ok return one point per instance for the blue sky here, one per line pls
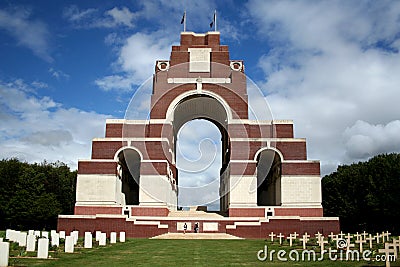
(331, 66)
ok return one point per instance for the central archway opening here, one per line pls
(201, 149)
(199, 162)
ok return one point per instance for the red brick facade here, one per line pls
(154, 140)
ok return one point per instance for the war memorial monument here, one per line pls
(266, 182)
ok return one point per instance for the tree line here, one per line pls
(33, 195)
(365, 195)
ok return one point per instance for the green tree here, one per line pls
(32, 195)
(365, 195)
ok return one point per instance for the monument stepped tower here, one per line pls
(131, 182)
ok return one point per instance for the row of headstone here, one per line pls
(101, 238)
(29, 239)
(359, 239)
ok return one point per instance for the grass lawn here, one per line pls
(157, 252)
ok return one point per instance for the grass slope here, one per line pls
(151, 252)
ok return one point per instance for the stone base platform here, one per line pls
(209, 223)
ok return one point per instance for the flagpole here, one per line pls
(184, 22)
(215, 20)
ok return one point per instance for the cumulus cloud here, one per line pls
(364, 140)
(328, 66)
(36, 128)
(30, 33)
(91, 17)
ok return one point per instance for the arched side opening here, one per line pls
(268, 178)
(129, 173)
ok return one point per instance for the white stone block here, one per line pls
(37, 233)
(98, 233)
(210, 226)
(62, 234)
(122, 237)
(55, 239)
(75, 235)
(113, 237)
(43, 248)
(45, 234)
(69, 244)
(8, 231)
(88, 240)
(31, 243)
(103, 239)
(4, 253)
(22, 239)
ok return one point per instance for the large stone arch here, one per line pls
(207, 106)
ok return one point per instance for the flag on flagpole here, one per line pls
(183, 21)
(214, 21)
(183, 18)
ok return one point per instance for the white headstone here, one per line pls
(43, 248)
(88, 240)
(69, 244)
(31, 243)
(8, 231)
(122, 237)
(37, 233)
(62, 234)
(4, 253)
(52, 232)
(22, 239)
(55, 239)
(75, 235)
(98, 233)
(31, 232)
(45, 234)
(1, 239)
(103, 239)
(113, 237)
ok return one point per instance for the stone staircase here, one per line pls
(196, 236)
(194, 213)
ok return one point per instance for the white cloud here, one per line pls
(58, 74)
(198, 153)
(121, 16)
(30, 33)
(36, 128)
(140, 52)
(90, 18)
(363, 140)
(115, 82)
(331, 64)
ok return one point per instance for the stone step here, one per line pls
(191, 214)
(196, 236)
